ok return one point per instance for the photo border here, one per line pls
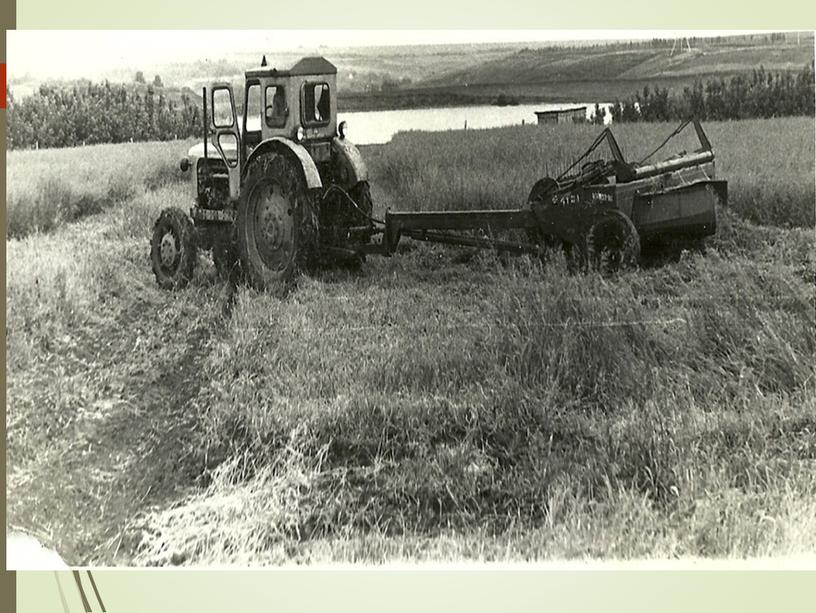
(403, 589)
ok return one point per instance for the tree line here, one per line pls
(88, 113)
(760, 94)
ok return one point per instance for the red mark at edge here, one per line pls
(3, 85)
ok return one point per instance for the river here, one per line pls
(371, 127)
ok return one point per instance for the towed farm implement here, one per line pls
(286, 190)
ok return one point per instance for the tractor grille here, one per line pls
(320, 151)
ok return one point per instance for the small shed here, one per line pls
(576, 114)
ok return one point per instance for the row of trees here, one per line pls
(90, 113)
(761, 94)
(108, 113)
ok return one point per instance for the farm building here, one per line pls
(575, 114)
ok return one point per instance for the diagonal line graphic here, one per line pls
(85, 604)
(96, 591)
(61, 593)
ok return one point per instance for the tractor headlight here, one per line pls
(300, 134)
(342, 129)
(184, 164)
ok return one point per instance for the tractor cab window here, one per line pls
(252, 112)
(222, 108)
(316, 103)
(276, 110)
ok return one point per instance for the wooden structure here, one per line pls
(575, 114)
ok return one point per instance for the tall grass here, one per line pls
(51, 187)
(501, 400)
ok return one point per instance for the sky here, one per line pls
(68, 54)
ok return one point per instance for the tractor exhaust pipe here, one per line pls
(204, 117)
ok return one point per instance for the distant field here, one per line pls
(599, 73)
(637, 63)
(442, 404)
(51, 187)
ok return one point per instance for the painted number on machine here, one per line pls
(570, 199)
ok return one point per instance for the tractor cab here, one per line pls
(296, 106)
(298, 103)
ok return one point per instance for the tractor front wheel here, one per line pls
(273, 220)
(173, 249)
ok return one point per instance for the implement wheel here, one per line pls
(612, 243)
(274, 222)
(173, 249)
(540, 196)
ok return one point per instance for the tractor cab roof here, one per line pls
(305, 66)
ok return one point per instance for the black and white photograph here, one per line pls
(411, 298)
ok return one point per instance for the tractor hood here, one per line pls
(197, 151)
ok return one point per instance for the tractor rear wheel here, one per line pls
(612, 243)
(173, 249)
(359, 215)
(361, 194)
(274, 222)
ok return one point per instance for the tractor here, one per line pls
(282, 191)
(285, 191)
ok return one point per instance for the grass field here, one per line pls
(633, 64)
(441, 404)
(51, 187)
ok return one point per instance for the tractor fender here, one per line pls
(349, 163)
(289, 147)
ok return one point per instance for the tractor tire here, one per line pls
(361, 194)
(612, 243)
(173, 249)
(275, 227)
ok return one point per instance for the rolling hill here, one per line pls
(634, 62)
(590, 72)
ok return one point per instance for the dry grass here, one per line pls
(626, 419)
(440, 404)
(51, 187)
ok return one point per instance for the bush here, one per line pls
(782, 94)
